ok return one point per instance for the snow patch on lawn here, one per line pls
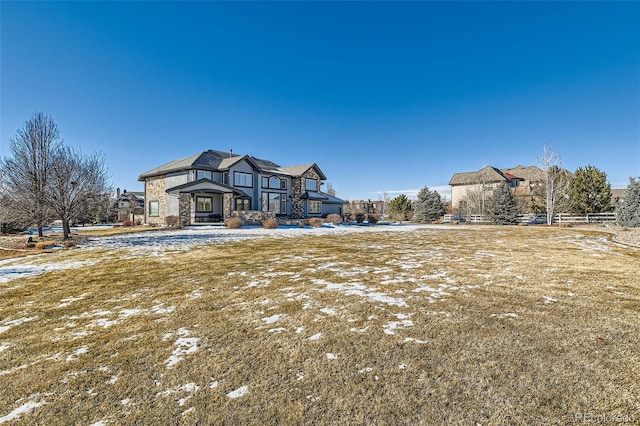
(21, 270)
(273, 318)
(357, 289)
(23, 409)
(12, 323)
(240, 392)
(68, 301)
(184, 346)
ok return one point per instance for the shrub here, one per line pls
(316, 222)
(127, 223)
(336, 219)
(270, 223)
(373, 218)
(172, 221)
(397, 217)
(233, 223)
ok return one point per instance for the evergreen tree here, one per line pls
(502, 206)
(428, 207)
(590, 192)
(400, 207)
(628, 210)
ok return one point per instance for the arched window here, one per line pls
(274, 182)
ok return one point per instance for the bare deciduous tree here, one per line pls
(556, 189)
(77, 182)
(384, 204)
(26, 173)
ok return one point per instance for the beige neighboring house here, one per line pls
(471, 190)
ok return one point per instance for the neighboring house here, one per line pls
(129, 205)
(470, 191)
(364, 206)
(213, 185)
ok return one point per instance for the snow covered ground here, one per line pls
(163, 242)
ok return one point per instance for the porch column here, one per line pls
(227, 205)
(185, 209)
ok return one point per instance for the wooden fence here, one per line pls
(539, 218)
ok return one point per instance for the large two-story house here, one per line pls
(214, 185)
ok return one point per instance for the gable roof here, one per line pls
(302, 169)
(221, 161)
(487, 174)
(490, 174)
(528, 173)
(206, 185)
(206, 160)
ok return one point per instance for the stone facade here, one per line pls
(227, 205)
(298, 188)
(252, 217)
(185, 210)
(155, 188)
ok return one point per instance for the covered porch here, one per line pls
(205, 201)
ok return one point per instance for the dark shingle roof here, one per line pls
(220, 160)
(491, 174)
(206, 160)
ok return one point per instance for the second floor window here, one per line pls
(274, 182)
(311, 185)
(204, 174)
(242, 179)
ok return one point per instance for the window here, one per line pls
(204, 174)
(314, 206)
(274, 182)
(204, 204)
(243, 203)
(311, 184)
(274, 202)
(242, 179)
(154, 208)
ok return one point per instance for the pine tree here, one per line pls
(400, 207)
(590, 192)
(628, 210)
(502, 206)
(428, 207)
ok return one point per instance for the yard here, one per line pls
(350, 325)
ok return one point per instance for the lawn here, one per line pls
(382, 325)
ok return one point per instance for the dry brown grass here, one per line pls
(488, 325)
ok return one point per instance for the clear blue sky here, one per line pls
(382, 95)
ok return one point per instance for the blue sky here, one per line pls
(382, 95)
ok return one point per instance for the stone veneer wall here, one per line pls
(227, 205)
(252, 217)
(155, 190)
(298, 187)
(185, 209)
